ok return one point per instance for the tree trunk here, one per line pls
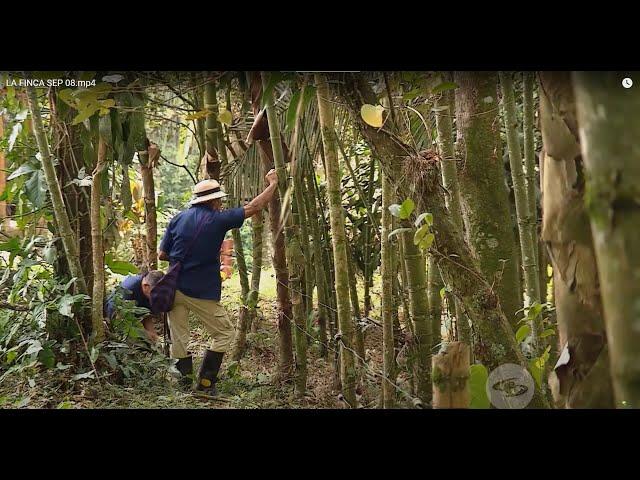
(96, 242)
(339, 242)
(495, 343)
(484, 196)
(292, 246)
(59, 210)
(69, 151)
(609, 132)
(451, 377)
(388, 302)
(581, 378)
(526, 224)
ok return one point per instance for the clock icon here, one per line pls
(627, 82)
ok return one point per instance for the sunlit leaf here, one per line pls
(372, 114)
(427, 217)
(225, 117)
(522, 333)
(406, 209)
(478, 377)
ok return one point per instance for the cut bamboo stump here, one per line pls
(451, 377)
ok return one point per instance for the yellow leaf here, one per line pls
(197, 115)
(372, 114)
(225, 117)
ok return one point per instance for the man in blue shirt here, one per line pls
(138, 288)
(203, 227)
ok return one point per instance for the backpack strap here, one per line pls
(204, 219)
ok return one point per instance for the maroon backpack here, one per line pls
(164, 293)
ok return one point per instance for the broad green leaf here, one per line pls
(427, 217)
(406, 209)
(427, 241)
(478, 377)
(118, 266)
(47, 357)
(420, 234)
(84, 114)
(65, 306)
(12, 245)
(443, 291)
(536, 371)
(522, 333)
(36, 189)
(398, 231)
(547, 333)
(372, 115)
(534, 311)
(225, 117)
(24, 169)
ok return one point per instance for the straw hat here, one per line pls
(205, 191)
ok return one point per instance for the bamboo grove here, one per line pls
(428, 227)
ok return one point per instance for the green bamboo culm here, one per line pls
(526, 226)
(445, 108)
(339, 242)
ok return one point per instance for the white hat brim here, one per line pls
(207, 198)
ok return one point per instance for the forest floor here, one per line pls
(247, 384)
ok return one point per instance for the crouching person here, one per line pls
(193, 238)
(138, 288)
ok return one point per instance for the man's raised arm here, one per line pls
(261, 201)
